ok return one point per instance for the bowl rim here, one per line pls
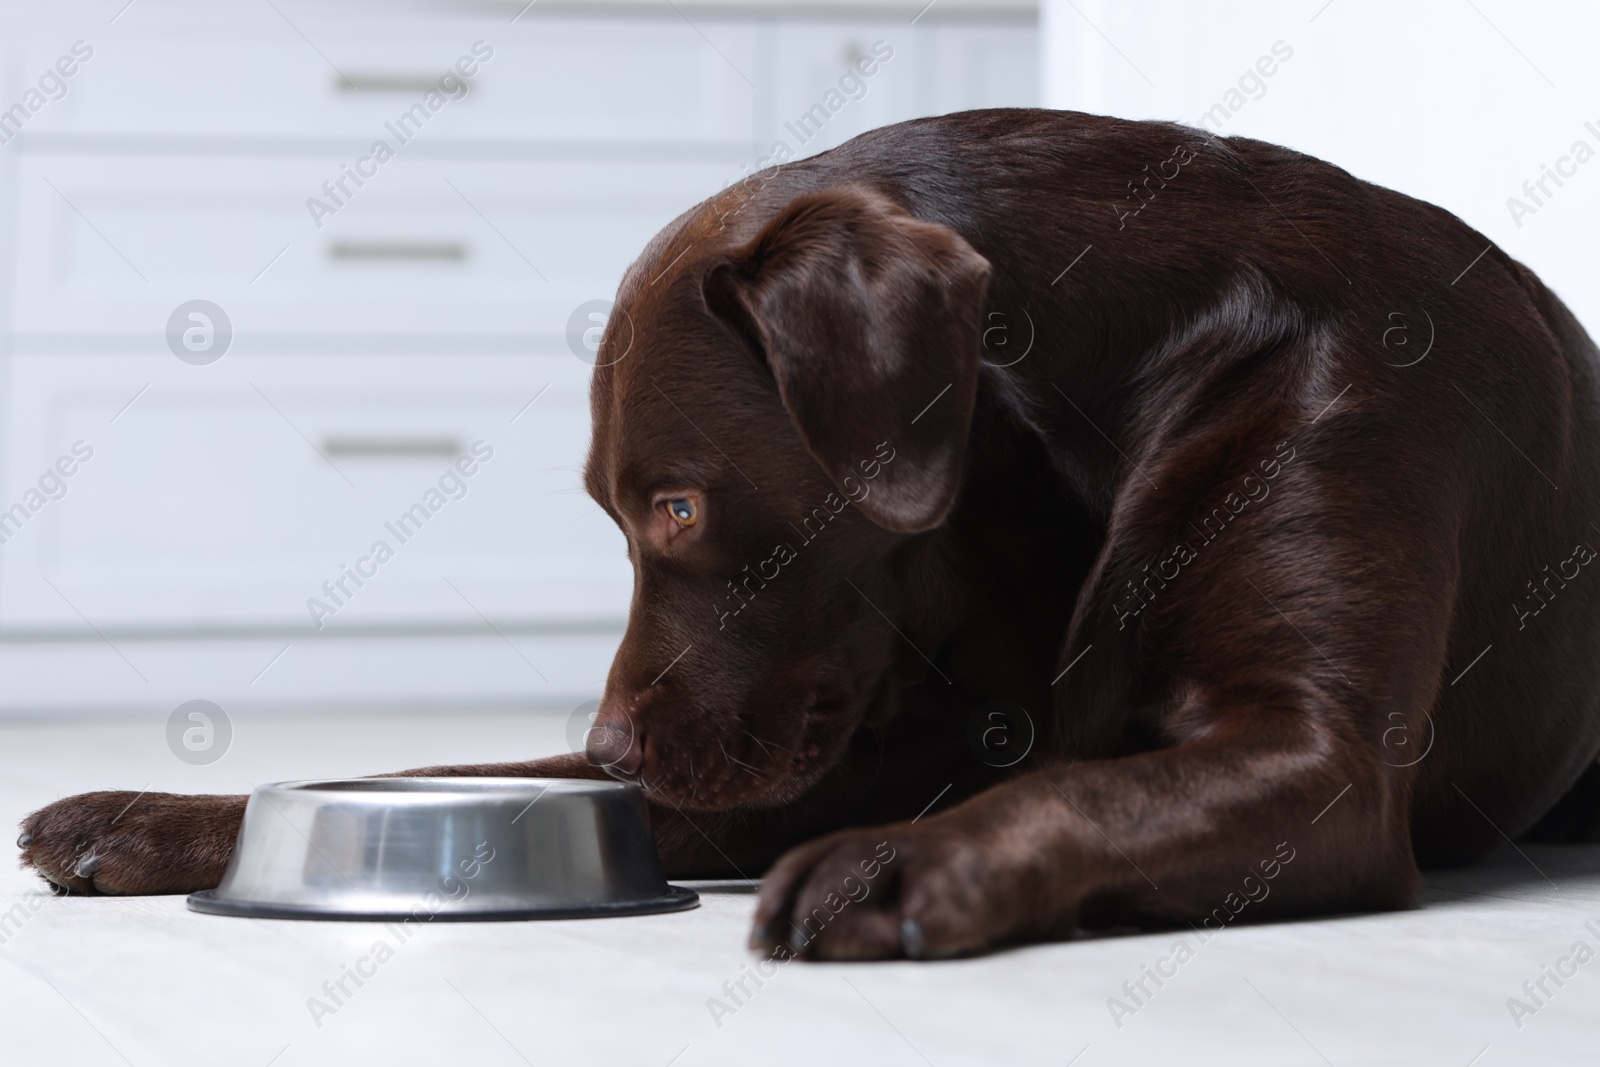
(399, 789)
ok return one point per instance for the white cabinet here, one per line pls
(382, 323)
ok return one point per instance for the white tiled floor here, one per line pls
(145, 982)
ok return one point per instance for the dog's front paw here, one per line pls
(912, 891)
(132, 843)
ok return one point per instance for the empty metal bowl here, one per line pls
(444, 849)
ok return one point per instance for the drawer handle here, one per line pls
(387, 83)
(392, 447)
(452, 251)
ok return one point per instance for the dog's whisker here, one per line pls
(738, 762)
(765, 747)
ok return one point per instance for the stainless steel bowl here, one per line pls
(434, 849)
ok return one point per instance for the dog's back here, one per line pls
(1206, 297)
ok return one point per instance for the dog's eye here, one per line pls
(683, 511)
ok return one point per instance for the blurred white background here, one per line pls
(1457, 102)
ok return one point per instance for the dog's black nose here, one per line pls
(614, 744)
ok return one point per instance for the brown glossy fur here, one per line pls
(1219, 371)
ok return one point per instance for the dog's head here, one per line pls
(783, 395)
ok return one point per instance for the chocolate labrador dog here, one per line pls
(1042, 522)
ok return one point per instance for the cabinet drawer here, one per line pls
(227, 495)
(426, 246)
(176, 71)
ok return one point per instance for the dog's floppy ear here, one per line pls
(869, 320)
